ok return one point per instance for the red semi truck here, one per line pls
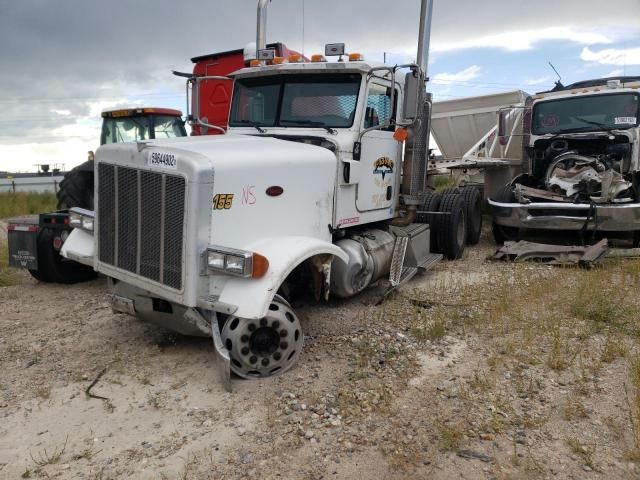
(209, 94)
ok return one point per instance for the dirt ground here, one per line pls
(397, 390)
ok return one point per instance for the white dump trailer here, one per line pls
(466, 133)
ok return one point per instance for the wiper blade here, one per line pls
(251, 124)
(604, 126)
(310, 123)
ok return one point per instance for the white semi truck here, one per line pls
(319, 186)
(581, 162)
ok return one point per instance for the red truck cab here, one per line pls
(211, 98)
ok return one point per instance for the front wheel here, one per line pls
(265, 347)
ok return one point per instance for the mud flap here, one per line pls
(223, 360)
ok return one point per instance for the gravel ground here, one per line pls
(368, 398)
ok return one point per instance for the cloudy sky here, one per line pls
(63, 61)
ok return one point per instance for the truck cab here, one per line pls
(338, 106)
(318, 186)
(582, 156)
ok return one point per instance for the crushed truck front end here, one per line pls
(582, 148)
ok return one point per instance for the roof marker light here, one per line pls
(266, 54)
(334, 49)
(318, 58)
(296, 58)
(254, 63)
(356, 57)
(279, 60)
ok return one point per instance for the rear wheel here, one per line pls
(501, 233)
(52, 267)
(451, 226)
(431, 204)
(264, 347)
(473, 213)
(449, 190)
(76, 189)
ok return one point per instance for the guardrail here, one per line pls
(31, 184)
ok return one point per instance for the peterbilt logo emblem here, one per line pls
(382, 166)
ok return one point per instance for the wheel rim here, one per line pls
(264, 347)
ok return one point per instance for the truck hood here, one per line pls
(241, 189)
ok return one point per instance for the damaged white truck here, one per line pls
(581, 153)
(318, 186)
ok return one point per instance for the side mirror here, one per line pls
(503, 135)
(412, 85)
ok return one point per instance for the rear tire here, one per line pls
(449, 190)
(501, 233)
(53, 268)
(473, 214)
(76, 189)
(451, 229)
(431, 204)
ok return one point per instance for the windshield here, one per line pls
(295, 100)
(133, 129)
(586, 113)
(168, 126)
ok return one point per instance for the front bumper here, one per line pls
(567, 216)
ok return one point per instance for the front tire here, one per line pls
(265, 347)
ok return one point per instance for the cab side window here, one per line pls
(379, 110)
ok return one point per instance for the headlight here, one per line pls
(81, 218)
(236, 262)
(215, 260)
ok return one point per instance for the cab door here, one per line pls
(380, 154)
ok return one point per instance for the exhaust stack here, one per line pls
(414, 183)
(424, 35)
(261, 30)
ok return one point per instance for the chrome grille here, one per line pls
(141, 222)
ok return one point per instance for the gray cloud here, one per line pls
(65, 54)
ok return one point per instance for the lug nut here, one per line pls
(276, 324)
(265, 362)
(277, 356)
(251, 327)
(244, 338)
(253, 359)
(283, 333)
(284, 345)
(263, 322)
(245, 350)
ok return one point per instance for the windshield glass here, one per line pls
(586, 113)
(133, 129)
(125, 129)
(168, 126)
(295, 100)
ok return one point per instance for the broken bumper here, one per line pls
(563, 216)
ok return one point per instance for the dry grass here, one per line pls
(8, 276)
(633, 403)
(26, 203)
(45, 457)
(451, 436)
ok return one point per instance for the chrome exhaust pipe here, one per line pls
(424, 35)
(261, 30)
